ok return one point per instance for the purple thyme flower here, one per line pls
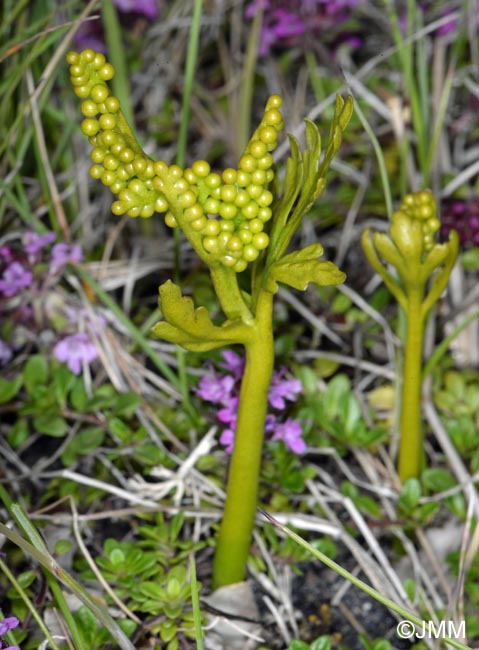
(270, 423)
(462, 216)
(15, 277)
(227, 439)
(287, 24)
(5, 353)
(284, 21)
(233, 363)
(223, 390)
(90, 33)
(227, 415)
(63, 254)
(9, 623)
(74, 350)
(147, 8)
(216, 389)
(33, 242)
(282, 389)
(6, 254)
(290, 433)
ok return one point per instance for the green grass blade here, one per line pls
(49, 563)
(119, 83)
(31, 608)
(387, 602)
(196, 605)
(380, 158)
(191, 58)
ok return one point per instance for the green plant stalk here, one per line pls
(225, 282)
(242, 491)
(185, 196)
(410, 448)
(420, 262)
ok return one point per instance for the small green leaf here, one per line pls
(349, 490)
(117, 557)
(50, 425)
(298, 645)
(381, 644)
(346, 113)
(173, 589)
(149, 454)
(341, 304)
(410, 587)
(368, 505)
(126, 404)
(300, 268)
(326, 546)
(428, 510)
(192, 328)
(152, 590)
(79, 396)
(18, 434)
(168, 630)
(437, 479)
(83, 443)
(63, 381)
(103, 398)
(352, 416)
(63, 546)
(87, 623)
(410, 495)
(457, 505)
(321, 643)
(120, 429)
(8, 389)
(35, 372)
(455, 384)
(470, 259)
(26, 578)
(472, 398)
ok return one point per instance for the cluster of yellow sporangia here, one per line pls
(228, 210)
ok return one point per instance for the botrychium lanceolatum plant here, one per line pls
(232, 220)
(423, 267)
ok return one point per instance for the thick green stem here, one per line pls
(410, 449)
(242, 492)
(225, 282)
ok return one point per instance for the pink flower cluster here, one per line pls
(6, 625)
(223, 391)
(27, 272)
(285, 21)
(91, 34)
(463, 216)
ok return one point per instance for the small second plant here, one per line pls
(423, 267)
(238, 227)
